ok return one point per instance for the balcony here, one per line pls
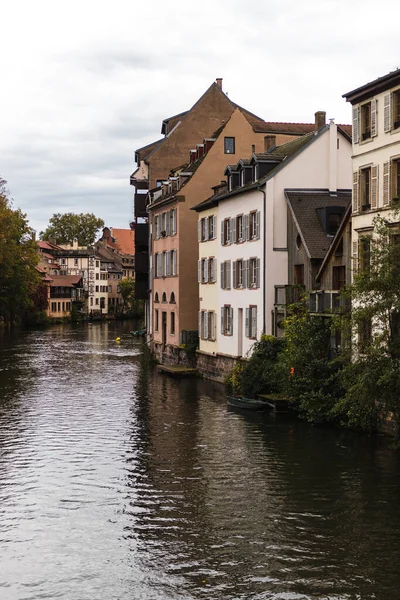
(140, 205)
(328, 302)
(141, 237)
(288, 294)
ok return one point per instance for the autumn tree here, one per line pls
(18, 258)
(64, 228)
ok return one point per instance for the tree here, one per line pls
(372, 377)
(18, 258)
(64, 228)
(127, 291)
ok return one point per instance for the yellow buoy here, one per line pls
(117, 339)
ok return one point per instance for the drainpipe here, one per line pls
(264, 252)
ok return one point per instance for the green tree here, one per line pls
(64, 228)
(18, 258)
(127, 291)
(372, 377)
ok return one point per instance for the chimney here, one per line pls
(320, 119)
(269, 142)
(219, 82)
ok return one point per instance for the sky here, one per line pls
(85, 83)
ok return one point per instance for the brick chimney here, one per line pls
(269, 142)
(219, 82)
(320, 119)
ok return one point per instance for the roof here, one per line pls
(66, 280)
(303, 205)
(373, 87)
(143, 152)
(45, 245)
(169, 123)
(288, 128)
(125, 239)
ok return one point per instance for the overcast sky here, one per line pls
(84, 83)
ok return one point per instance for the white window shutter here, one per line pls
(246, 321)
(205, 274)
(374, 186)
(200, 320)
(222, 233)
(258, 225)
(173, 232)
(199, 231)
(233, 230)
(212, 326)
(234, 274)
(386, 182)
(356, 128)
(206, 229)
(222, 321)
(246, 227)
(374, 123)
(205, 325)
(257, 277)
(228, 275)
(214, 220)
(356, 200)
(168, 223)
(228, 232)
(174, 262)
(245, 273)
(199, 271)
(168, 260)
(222, 275)
(254, 322)
(387, 112)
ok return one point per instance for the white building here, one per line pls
(250, 244)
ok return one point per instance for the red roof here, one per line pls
(66, 280)
(125, 239)
(47, 245)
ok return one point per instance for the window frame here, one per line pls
(229, 140)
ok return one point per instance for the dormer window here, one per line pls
(229, 145)
(333, 224)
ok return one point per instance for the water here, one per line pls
(119, 483)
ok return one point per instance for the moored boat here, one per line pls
(247, 403)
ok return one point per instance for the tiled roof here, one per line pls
(125, 239)
(66, 280)
(44, 245)
(288, 128)
(303, 205)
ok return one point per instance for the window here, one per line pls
(251, 322)
(203, 270)
(172, 298)
(395, 183)
(207, 325)
(238, 274)
(254, 273)
(75, 261)
(338, 277)
(156, 320)
(172, 328)
(212, 227)
(54, 307)
(226, 232)
(365, 122)
(97, 288)
(159, 265)
(254, 225)
(167, 264)
(339, 248)
(212, 270)
(227, 320)
(97, 264)
(396, 109)
(229, 145)
(156, 298)
(226, 275)
(365, 189)
(298, 275)
(97, 301)
(334, 220)
(239, 228)
(164, 298)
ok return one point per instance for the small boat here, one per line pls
(138, 333)
(247, 403)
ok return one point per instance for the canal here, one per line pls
(119, 483)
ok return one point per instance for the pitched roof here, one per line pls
(376, 86)
(288, 128)
(45, 245)
(125, 239)
(66, 280)
(303, 205)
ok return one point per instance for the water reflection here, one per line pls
(117, 482)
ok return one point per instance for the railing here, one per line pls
(288, 294)
(328, 302)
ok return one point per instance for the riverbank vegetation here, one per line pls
(21, 292)
(342, 369)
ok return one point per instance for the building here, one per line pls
(65, 290)
(254, 235)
